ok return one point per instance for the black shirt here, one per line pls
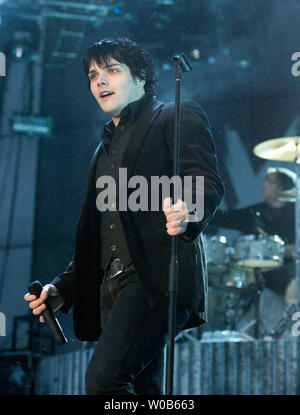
(115, 140)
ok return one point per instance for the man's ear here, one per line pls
(140, 82)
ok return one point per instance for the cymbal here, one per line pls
(281, 149)
(288, 195)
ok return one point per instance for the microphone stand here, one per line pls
(182, 65)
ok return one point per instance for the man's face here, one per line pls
(271, 189)
(114, 87)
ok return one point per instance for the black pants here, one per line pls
(129, 356)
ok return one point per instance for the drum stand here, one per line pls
(256, 322)
(259, 284)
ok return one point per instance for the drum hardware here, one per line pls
(282, 324)
(241, 284)
(232, 289)
(224, 308)
(262, 252)
(259, 283)
(246, 327)
(256, 289)
(242, 279)
(254, 298)
(227, 305)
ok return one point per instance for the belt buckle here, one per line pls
(119, 271)
(116, 273)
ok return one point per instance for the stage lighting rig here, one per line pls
(32, 125)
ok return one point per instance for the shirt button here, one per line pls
(113, 247)
(112, 226)
(113, 166)
(113, 205)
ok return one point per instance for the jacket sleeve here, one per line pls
(197, 158)
(64, 284)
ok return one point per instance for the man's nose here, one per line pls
(102, 80)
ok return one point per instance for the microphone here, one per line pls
(36, 288)
(181, 61)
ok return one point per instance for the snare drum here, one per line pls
(264, 252)
(216, 253)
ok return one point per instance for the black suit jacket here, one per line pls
(149, 153)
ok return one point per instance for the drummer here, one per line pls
(275, 215)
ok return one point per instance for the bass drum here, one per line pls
(263, 252)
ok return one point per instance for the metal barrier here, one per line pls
(201, 368)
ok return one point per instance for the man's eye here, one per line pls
(113, 70)
(92, 76)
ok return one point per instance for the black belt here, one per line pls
(116, 267)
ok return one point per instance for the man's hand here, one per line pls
(176, 215)
(38, 304)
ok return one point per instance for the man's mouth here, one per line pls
(106, 94)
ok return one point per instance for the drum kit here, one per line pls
(236, 275)
(237, 271)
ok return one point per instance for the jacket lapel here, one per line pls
(139, 134)
(137, 138)
(92, 168)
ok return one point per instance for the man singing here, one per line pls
(117, 282)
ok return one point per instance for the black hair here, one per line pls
(284, 180)
(125, 51)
